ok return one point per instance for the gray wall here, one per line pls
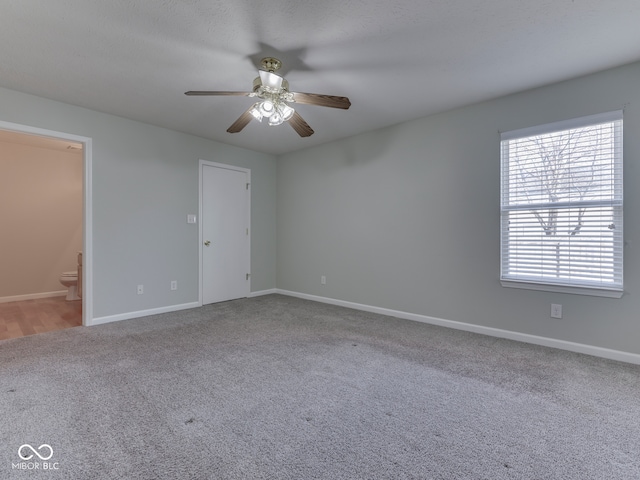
(407, 218)
(145, 182)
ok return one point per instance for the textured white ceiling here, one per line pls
(396, 60)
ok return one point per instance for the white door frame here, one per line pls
(87, 211)
(247, 171)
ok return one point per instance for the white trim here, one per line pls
(247, 171)
(33, 296)
(563, 125)
(143, 313)
(549, 287)
(87, 212)
(620, 356)
(260, 293)
(87, 246)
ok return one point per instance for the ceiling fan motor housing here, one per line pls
(257, 83)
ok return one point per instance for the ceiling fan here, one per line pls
(273, 93)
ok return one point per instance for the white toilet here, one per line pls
(70, 280)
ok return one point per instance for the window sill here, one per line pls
(594, 292)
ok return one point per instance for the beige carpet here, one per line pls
(281, 388)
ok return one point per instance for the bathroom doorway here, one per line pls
(45, 209)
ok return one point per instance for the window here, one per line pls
(561, 206)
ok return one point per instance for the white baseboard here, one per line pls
(263, 292)
(142, 313)
(155, 311)
(469, 327)
(33, 296)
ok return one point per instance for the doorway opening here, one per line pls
(56, 167)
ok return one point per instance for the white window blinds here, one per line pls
(561, 203)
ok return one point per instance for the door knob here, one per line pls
(207, 243)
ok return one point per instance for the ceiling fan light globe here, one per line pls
(255, 111)
(266, 108)
(275, 119)
(287, 112)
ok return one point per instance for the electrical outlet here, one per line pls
(140, 289)
(323, 280)
(174, 284)
(556, 310)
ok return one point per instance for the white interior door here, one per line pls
(225, 233)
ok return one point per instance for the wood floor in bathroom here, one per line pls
(18, 319)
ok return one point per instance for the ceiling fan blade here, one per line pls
(242, 121)
(198, 92)
(300, 126)
(322, 100)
